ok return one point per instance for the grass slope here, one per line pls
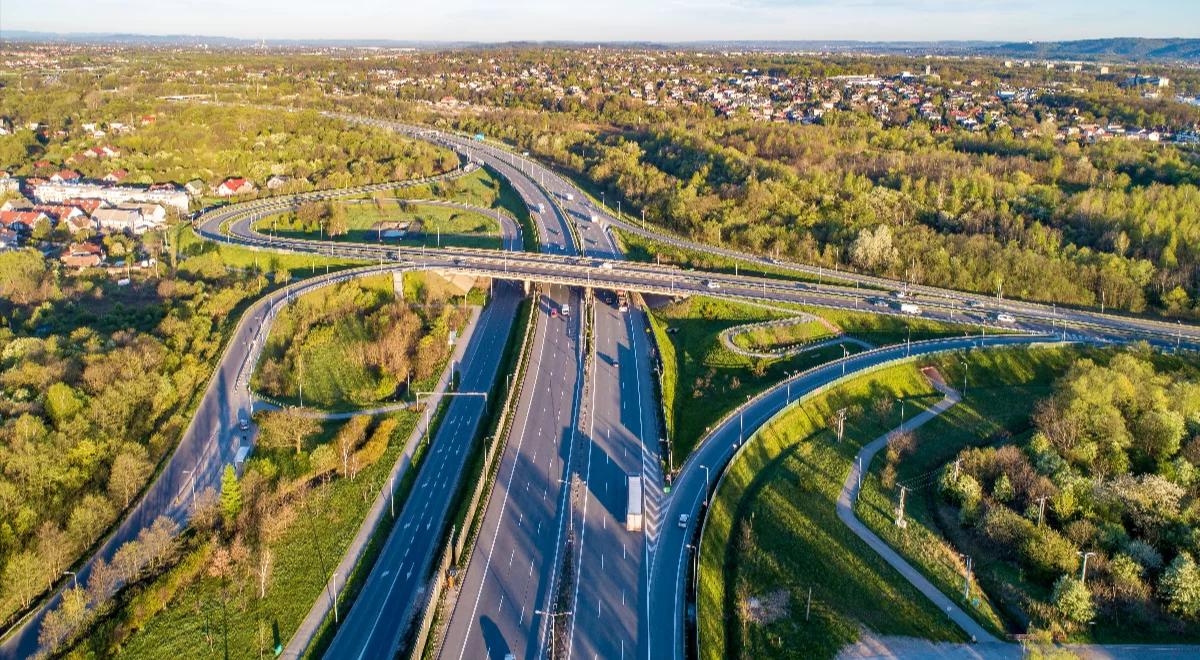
(773, 532)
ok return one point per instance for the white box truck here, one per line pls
(909, 308)
(633, 511)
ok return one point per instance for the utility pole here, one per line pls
(967, 577)
(957, 463)
(301, 358)
(808, 607)
(900, 521)
(1041, 509)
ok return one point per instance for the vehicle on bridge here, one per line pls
(633, 511)
(909, 308)
(1001, 317)
(712, 285)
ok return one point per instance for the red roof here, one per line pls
(234, 183)
(85, 205)
(27, 218)
(67, 175)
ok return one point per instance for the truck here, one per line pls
(633, 510)
(569, 197)
(909, 308)
(594, 218)
(541, 208)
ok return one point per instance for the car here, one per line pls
(899, 294)
(683, 520)
(974, 303)
(243, 424)
(553, 313)
(712, 285)
(1005, 318)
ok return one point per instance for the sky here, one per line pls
(615, 20)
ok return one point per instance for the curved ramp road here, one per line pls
(209, 443)
(669, 563)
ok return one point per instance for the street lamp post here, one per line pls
(1083, 572)
(74, 577)
(845, 355)
(706, 480)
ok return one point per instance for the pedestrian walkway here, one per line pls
(845, 511)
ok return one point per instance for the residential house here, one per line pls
(88, 206)
(81, 223)
(65, 176)
(119, 219)
(195, 187)
(235, 186)
(21, 221)
(59, 212)
(82, 255)
(153, 215)
(116, 176)
(278, 181)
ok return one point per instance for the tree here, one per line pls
(231, 496)
(1073, 600)
(1180, 586)
(336, 223)
(23, 576)
(287, 428)
(62, 623)
(873, 249)
(129, 471)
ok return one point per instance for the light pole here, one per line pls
(706, 480)
(845, 355)
(553, 615)
(74, 577)
(966, 370)
(1083, 573)
(333, 597)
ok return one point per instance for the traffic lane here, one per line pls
(669, 568)
(604, 623)
(375, 621)
(522, 510)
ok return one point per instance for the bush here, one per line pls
(1048, 553)
(1073, 600)
(1180, 586)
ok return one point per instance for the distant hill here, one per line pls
(1128, 48)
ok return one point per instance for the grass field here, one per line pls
(781, 336)
(884, 329)
(772, 534)
(187, 613)
(1002, 388)
(702, 379)
(433, 226)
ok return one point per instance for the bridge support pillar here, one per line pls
(527, 286)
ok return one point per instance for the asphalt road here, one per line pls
(510, 576)
(620, 441)
(669, 562)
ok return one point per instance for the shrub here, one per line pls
(1180, 586)
(1048, 553)
(1072, 600)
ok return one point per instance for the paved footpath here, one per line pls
(845, 511)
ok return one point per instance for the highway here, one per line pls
(621, 441)
(510, 576)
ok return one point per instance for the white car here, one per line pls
(1005, 318)
(712, 285)
(683, 520)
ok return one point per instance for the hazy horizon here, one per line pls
(622, 20)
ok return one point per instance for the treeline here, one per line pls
(1116, 223)
(1112, 471)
